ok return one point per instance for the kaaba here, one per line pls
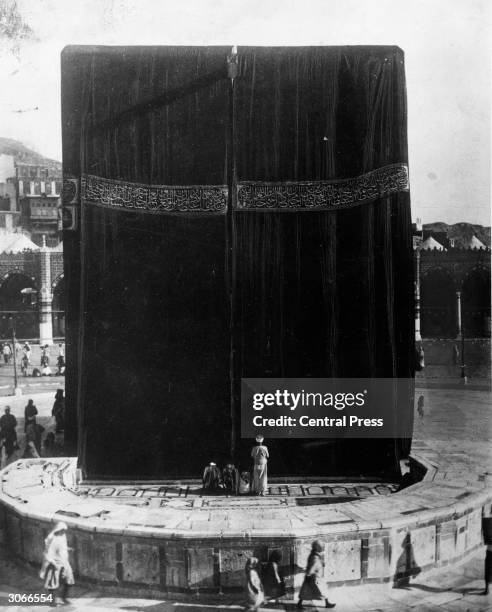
(230, 213)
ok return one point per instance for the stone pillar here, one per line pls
(45, 298)
(418, 337)
(458, 313)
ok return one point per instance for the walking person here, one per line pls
(273, 582)
(314, 586)
(254, 588)
(420, 406)
(56, 570)
(259, 453)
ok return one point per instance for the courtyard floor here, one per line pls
(457, 419)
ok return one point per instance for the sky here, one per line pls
(447, 56)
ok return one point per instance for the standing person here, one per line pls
(488, 569)
(56, 570)
(58, 411)
(420, 406)
(7, 353)
(24, 364)
(33, 440)
(8, 423)
(30, 412)
(45, 357)
(3, 452)
(254, 588)
(260, 457)
(273, 582)
(456, 355)
(60, 362)
(27, 351)
(487, 538)
(314, 586)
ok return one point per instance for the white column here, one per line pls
(458, 313)
(31, 187)
(21, 188)
(53, 188)
(45, 298)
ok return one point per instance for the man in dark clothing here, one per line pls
(211, 478)
(30, 412)
(8, 423)
(58, 411)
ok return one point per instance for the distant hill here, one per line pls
(460, 232)
(24, 155)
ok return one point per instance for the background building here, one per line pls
(30, 188)
(452, 265)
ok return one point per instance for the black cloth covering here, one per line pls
(166, 312)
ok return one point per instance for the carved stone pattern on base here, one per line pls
(322, 195)
(157, 199)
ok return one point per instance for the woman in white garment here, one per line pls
(56, 570)
(254, 588)
(260, 457)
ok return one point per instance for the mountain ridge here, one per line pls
(460, 233)
(25, 155)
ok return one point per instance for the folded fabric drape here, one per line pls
(251, 227)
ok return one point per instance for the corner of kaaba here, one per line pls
(233, 214)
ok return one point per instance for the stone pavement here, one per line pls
(454, 435)
(453, 589)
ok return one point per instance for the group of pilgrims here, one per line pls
(230, 481)
(265, 582)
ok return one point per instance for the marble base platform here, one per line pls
(169, 538)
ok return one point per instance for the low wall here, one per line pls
(192, 555)
(440, 360)
(217, 564)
